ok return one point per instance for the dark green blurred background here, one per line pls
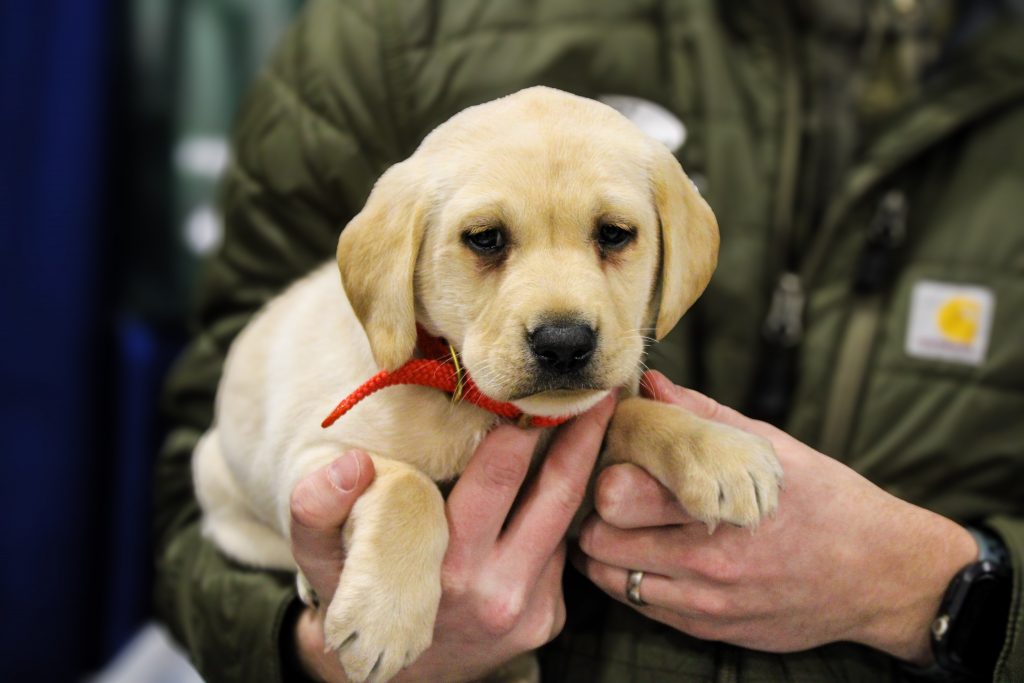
(114, 118)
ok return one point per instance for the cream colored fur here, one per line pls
(548, 168)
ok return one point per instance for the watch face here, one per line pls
(977, 628)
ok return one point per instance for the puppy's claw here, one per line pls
(332, 645)
(376, 666)
(757, 493)
(307, 595)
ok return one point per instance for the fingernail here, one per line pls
(344, 472)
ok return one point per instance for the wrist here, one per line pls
(930, 551)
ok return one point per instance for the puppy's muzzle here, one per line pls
(563, 348)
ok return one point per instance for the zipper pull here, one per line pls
(886, 234)
(783, 325)
(772, 389)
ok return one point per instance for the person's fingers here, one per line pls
(612, 579)
(544, 610)
(657, 591)
(479, 503)
(659, 549)
(555, 494)
(320, 504)
(627, 497)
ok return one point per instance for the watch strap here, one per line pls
(969, 630)
(990, 546)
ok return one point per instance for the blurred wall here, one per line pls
(114, 118)
(54, 72)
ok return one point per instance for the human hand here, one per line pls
(502, 573)
(841, 560)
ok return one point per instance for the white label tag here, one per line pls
(950, 322)
(651, 118)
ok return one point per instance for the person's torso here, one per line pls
(910, 361)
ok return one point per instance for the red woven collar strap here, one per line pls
(440, 370)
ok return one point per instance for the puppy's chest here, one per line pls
(446, 484)
(419, 426)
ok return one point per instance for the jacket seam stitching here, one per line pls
(297, 101)
(1013, 628)
(238, 167)
(504, 31)
(944, 375)
(393, 55)
(300, 103)
(973, 268)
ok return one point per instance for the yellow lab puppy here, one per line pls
(542, 235)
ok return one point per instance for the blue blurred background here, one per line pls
(113, 117)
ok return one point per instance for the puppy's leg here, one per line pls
(718, 473)
(381, 617)
(227, 518)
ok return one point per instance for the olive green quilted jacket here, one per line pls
(911, 371)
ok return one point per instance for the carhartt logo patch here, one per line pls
(950, 322)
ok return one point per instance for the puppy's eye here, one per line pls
(485, 242)
(612, 237)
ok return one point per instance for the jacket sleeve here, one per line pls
(1010, 666)
(312, 137)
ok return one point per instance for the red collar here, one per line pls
(439, 369)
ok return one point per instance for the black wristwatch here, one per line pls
(969, 631)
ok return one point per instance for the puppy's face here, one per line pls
(540, 265)
(536, 234)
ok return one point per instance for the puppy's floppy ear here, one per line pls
(689, 240)
(377, 255)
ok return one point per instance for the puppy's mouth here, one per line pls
(567, 391)
(559, 401)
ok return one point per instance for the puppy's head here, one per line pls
(544, 236)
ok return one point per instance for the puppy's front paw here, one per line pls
(718, 473)
(732, 476)
(380, 620)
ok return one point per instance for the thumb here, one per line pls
(320, 505)
(655, 385)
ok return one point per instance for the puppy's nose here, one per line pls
(563, 347)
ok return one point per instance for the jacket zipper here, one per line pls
(782, 330)
(875, 269)
(780, 340)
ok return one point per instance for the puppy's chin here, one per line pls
(559, 402)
